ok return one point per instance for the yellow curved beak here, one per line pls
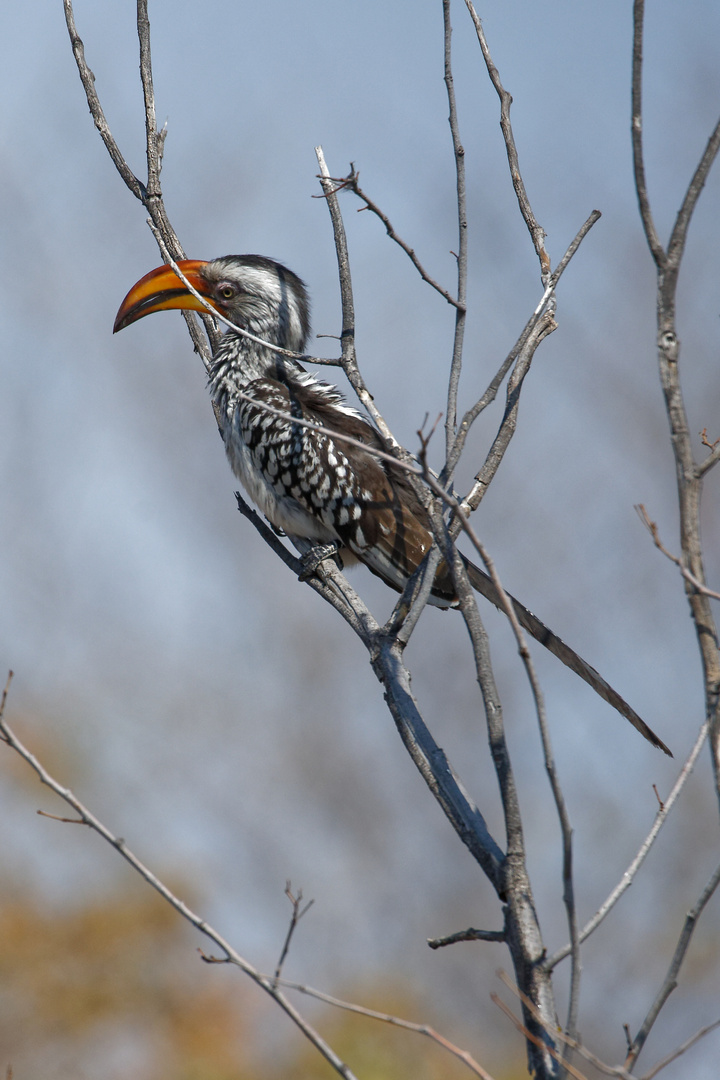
(161, 290)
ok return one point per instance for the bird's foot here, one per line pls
(317, 554)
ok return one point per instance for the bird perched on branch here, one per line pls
(308, 483)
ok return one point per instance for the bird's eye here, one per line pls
(226, 291)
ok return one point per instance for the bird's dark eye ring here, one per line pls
(226, 291)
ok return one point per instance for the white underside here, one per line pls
(285, 514)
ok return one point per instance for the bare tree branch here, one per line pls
(688, 474)
(522, 929)
(676, 246)
(462, 252)
(347, 337)
(629, 875)
(537, 233)
(351, 183)
(535, 1039)
(670, 982)
(637, 136)
(467, 935)
(652, 528)
(664, 1062)
(231, 955)
(540, 324)
(711, 460)
(567, 1040)
(395, 1021)
(297, 913)
(88, 81)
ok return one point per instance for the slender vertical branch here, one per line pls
(678, 236)
(537, 233)
(689, 476)
(153, 156)
(153, 143)
(347, 337)
(522, 928)
(670, 981)
(646, 216)
(539, 325)
(629, 876)
(96, 111)
(461, 199)
(149, 195)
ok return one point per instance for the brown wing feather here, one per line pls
(390, 535)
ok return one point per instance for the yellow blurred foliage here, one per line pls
(116, 989)
(121, 972)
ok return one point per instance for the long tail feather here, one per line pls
(484, 585)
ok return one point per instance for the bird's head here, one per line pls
(255, 293)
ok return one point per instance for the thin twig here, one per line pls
(670, 981)
(658, 252)
(668, 1060)
(655, 533)
(154, 145)
(536, 1039)
(146, 78)
(537, 233)
(706, 442)
(230, 954)
(629, 875)
(676, 246)
(96, 111)
(351, 183)
(539, 325)
(347, 337)
(3, 702)
(414, 598)
(711, 460)
(462, 252)
(468, 935)
(296, 916)
(542, 326)
(396, 1021)
(569, 1041)
(557, 792)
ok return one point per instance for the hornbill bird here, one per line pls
(306, 482)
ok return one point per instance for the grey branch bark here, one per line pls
(689, 474)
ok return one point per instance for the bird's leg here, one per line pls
(317, 554)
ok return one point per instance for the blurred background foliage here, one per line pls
(209, 708)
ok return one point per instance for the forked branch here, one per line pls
(688, 473)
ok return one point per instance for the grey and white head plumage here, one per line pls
(263, 297)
